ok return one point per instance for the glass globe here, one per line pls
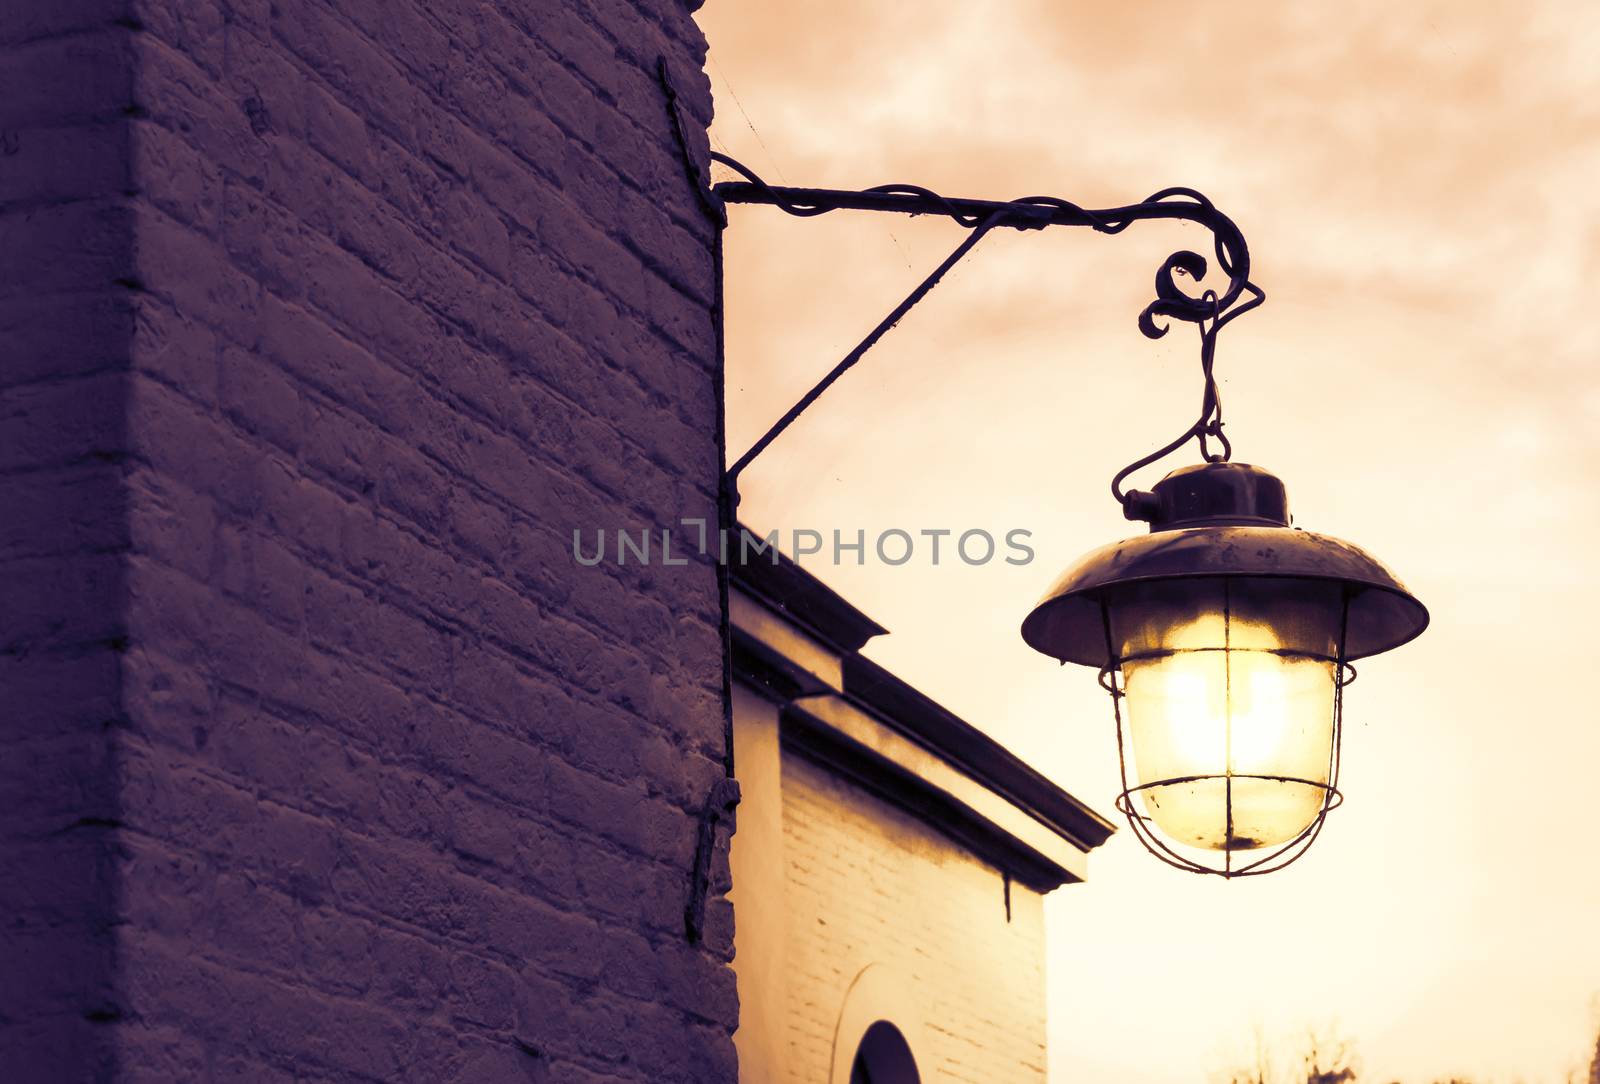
(1229, 693)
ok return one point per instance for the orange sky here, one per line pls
(1418, 185)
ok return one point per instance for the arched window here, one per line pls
(884, 1058)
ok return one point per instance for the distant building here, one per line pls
(890, 862)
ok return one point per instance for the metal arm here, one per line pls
(1209, 312)
(1001, 216)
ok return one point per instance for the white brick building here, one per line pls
(889, 865)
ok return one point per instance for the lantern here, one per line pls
(1225, 638)
(1225, 634)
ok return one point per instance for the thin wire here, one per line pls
(746, 115)
(801, 209)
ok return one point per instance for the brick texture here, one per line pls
(869, 884)
(326, 322)
(66, 322)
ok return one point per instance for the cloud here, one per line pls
(1417, 183)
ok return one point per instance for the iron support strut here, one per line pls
(1002, 215)
(1209, 312)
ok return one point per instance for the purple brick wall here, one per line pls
(325, 322)
(66, 324)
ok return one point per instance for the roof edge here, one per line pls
(940, 811)
(784, 586)
(952, 737)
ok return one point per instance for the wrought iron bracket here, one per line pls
(1209, 311)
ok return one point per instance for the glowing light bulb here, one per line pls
(1231, 733)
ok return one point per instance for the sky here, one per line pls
(1418, 186)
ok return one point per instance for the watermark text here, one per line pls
(892, 546)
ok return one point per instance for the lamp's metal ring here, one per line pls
(1280, 652)
(1332, 796)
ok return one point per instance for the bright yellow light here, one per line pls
(1224, 704)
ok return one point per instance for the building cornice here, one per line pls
(807, 601)
(797, 642)
(958, 741)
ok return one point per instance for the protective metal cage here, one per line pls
(1274, 858)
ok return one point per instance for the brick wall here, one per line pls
(65, 324)
(326, 322)
(869, 884)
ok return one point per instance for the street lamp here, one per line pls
(1225, 636)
